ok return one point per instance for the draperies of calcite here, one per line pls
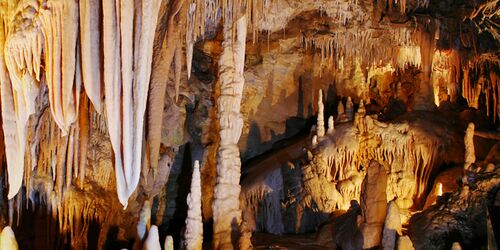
(127, 68)
(91, 53)
(18, 92)
(226, 205)
(480, 79)
(59, 21)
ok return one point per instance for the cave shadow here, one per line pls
(37, 229)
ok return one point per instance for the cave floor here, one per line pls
(271, 241)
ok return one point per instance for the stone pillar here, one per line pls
(373, 204)
(320, 128)
(226, 205)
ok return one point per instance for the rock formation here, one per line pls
(8, 239)
(392, 226)
(194, 225)
(152, 242)
(226, 209)
(320, 125)
(349, 109)
(106, 104)
(169, 243)
(404, 243)
(373, 204)
(470, 155)
(331, 125)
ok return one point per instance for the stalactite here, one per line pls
(60, 59)
(19, 73)
(91, 53)
(83, 125)
(126, 85)
(480, 79)
(342, 46)
(226, 209)
(157, 88)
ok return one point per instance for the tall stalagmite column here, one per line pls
(226, 205)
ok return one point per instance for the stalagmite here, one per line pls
(144, 223)
(169, 243)
(373, 204)
(152, 242)
(226, 206)
(439, 189)
(470, 155)
(8, 239)
(194, 225)
(314, 141)
(392, 226)
(341, 115)
(404, 243)
(331, 125)
(456, 246)
(320, 127)
(91, 54)
(349, 109)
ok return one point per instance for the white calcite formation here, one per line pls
(470, 155)
(126, 84)
(19, 76)
(194, 224)
(8, 239)
(60, 31)
(320, 126)
(90, 36)
(331, 124)
(226, 205)
(152, 242)
(51, 29)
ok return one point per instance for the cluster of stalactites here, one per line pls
(343, 46)
(31, 30)
(445, 75)
(480, 78)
